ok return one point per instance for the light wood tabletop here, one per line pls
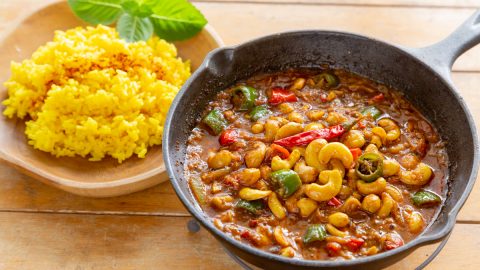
(45, 228)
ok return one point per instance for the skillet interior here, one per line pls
(379, 61)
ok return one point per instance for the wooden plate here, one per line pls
(78, 175)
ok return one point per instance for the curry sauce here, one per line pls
(316, 164)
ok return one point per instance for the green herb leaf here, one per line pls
(175, 20)
(97, 11)
(133, 28)
(136, 8)
(170, 19)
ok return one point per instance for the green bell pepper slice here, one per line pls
(259, 112)
(215, 121)
(244, 97)
(369, 167)
(253, 207)
(370, 110)
(326, 79)
(315, 232)
(373, 111)
(425, 198)
(286, 181)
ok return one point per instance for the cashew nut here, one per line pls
(375, 187)
(336, 150)
(307, 174)
(379, 136)
(311, 153)
(371, 203)
(387, 205)
(334, 231)
(271, 129)
(339, 219)
(220, 159)
(354, 139)
(372, 148)
(306, 206)
(327, 191)
(286, 108)
(392, 129)
(288, 129)
(297, 84)
(301, 149)
(394, 192)
(251, 194)
(222, 202)
(336, 164)
(415, 222)
(296, 117)
(254, 157)
(278, 163)
(248, 176)
(315, 115)
(390, 167)
(313, 126)
(350, 205)
(257, 128)
(209, 177)
(265, 171)
(409, 161)
(334, 118)
(276, 206)
(419, 176)
(380, 132)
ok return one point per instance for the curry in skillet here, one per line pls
(316, 164)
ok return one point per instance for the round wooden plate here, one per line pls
(78, 175)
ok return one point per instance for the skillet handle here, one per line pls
(441, 56)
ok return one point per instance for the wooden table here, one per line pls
(45, 228)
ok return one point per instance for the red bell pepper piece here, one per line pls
(334, 202)
(361, 125)
(228, 137)
(306, 137)
(393, 241)
(323, 97)
(280, 95)
(356, 152)
(246, 235)
(354, 244)
(378, 98)
(253, 223)
(333, 249)
(279, 151)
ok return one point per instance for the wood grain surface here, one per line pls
(104, 178)
(45, 228)
(455, 4)
(73, 241)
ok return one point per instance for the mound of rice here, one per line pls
(92, 94)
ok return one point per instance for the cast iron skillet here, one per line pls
(422, 74)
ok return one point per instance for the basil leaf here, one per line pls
(136, 8)
(133, 28)
(97, 11)
(175, 20)
(170, 19)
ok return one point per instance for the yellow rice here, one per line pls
(91, 94)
